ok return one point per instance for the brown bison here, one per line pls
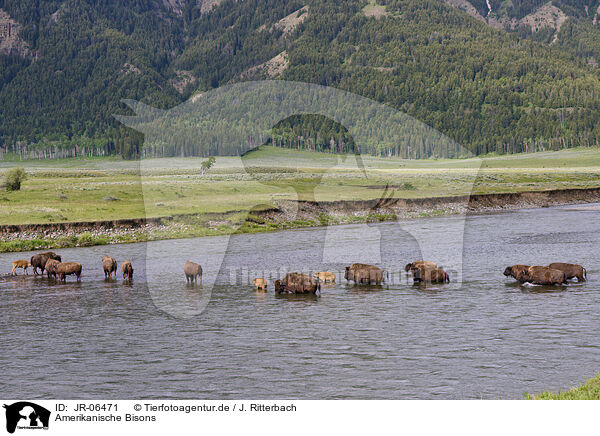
(193, 272)
(39, 260)
(420, 264)
(363, 273)
(20, 264)
(571, 270)
(127, 269)
(110, 266)
(261, 284)
(430, 275)
(541, 275)
(65, 269)
(325, 276)
(51, 267)
(279, 287)
(515, 270)
(297, 283)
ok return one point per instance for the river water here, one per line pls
(483, 338)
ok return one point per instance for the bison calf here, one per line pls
(20, 264)
(325, 276)
(261, 284)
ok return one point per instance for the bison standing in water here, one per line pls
(297, 283)
(541, 275)
(260, 283)
(571, 270)
(325, 276)
(420, 264)
(364, 273)
(65, 269)
(430, 275)
(127, 269)
(110, 266)
(39, 260)
(515, 270)
(51, 267)
(193, 272)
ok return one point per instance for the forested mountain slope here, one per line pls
(70, 63)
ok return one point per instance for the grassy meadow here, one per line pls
(75, 190)
(590, 390)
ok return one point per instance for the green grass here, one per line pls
(74, 190)
(590, 390)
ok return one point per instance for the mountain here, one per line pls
(476, 76)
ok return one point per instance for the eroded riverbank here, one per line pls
(287, 215)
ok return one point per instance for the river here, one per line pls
(483, 338)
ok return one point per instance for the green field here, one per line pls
(107, 188)
(590, 390)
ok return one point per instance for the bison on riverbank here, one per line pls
(39, 260)
(193, 272)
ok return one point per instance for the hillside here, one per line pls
(68, 64)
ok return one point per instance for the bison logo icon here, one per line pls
(26, 415)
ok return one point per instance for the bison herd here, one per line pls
(422, 271)
(554, 274)
(52, 264)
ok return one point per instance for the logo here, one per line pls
(26, 415)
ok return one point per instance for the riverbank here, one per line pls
(590, 390)
(286, 215)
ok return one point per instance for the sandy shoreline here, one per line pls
(288, 215)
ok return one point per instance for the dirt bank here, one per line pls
(288, 214)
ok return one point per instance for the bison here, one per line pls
(515, 270)
(261, 284)
(325, 276)
(364, 273)
(430, 275)
(541, 275)
(193, 272)
(127, 269)
(39, 260)
(51, 267)
(419, 264)
(65, 269)
(571, 270)
(20, 264)
(110, 266)
(297, 283)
